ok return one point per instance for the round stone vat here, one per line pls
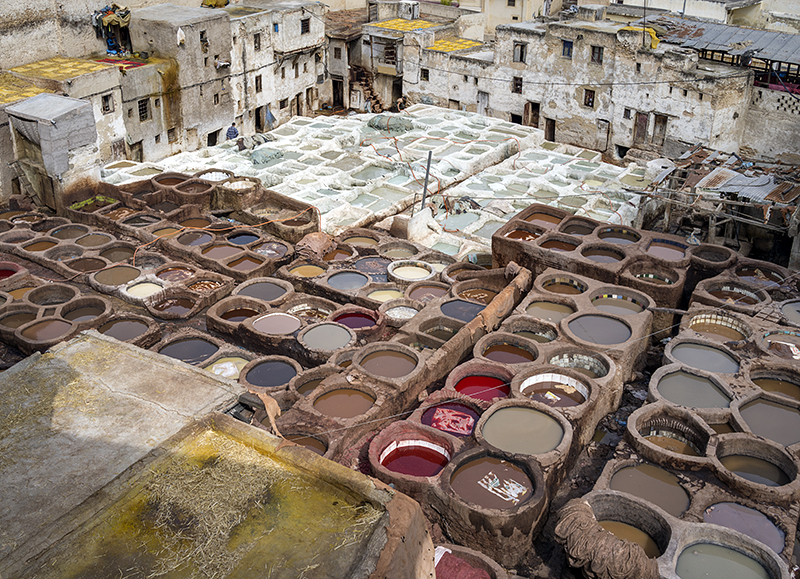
(791, 312)
(563, 285)
(749, 521)
(315, 443)
(193, 350)
(305, 269)
(361, 238)
(526, 232)
(86, 312)
(382, 293)
(590, 364)
(200, 223)
(450, 274)
(221, 251)
(226, 315)
(165, 180)
(72, 231)
(363, 321)
(544, 217)
(17, 236)
(244, 264)
(440, 328)
(174, 273)
(456, 417)
(194, 238)
(114, 276)
(618, 235)
(388, 361)
(377, 268)
(596, 329)
(669, 435)
(759, 469)
(476, 290)
(174, 304)
(94, 240)
(619, 304)
(461, 310)
(51, 295)
(204, 286)
(269, 373)
(65, 251)
(690, 388)
(270, 249)
(341, 252)
(138, 330)
(397, 250)
(492, 503)
(406, 272)
(667, 250)
(711, 258)
(40, 334)
(720, 326)
(770, 416)
(40, 244)
(530, 329)
(347, 280)
(782, 343)
(761, 276)
(325, 338)
(143, 289)
(9, 269)
(343, 403)
(578, 226)
(549, 310)
(271, 291)
(398, 312)
(118, 252)
(310, 309)
(702, 356)
(481, 381)
(778, 378)
(559, 243)
(525, 427)
(652, 275)
(731, 293)
(306, 382)
(276, 324)
(87, 264)
(10, 320)
(552, 389)
(426, 291)
(408, 456)
(603, 253)
(242, 236)
(437, 259)
(503, 348)
(652, 484)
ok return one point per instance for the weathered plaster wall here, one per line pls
(772, 126)
(707, 9)
(6, 157)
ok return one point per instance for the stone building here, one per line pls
(609, 87)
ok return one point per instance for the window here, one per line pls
(258, 83)
(512, 2)
(172, 135)
(296, 70)
(597, 55)
(130, 113)
(638, 67)
(205, 61)
(144, 110)
(305, 67)
(283, 72)
(685, 92)
(216, 98)
(337, 53)
(670, 90)
(519, 51)
(516, 119)
(424, 74)
(158, 139)
(466, 78)
(566, 48)
(284, 103)
(107, 105)
(275, 27)
(700, 96)
(516, 85)
(305, 26)
(588, 98)
(157, 103)
(515, 18)
(475, 80)
(257, 41)
(626, 114)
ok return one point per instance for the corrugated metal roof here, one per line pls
(717, 178)
(764, 44)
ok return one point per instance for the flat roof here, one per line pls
(402, 25)
(60, 68)
(46, 106)
(454, 43)
(177, 15)
(13, 89)
(345, 24)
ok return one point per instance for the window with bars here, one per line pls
(144, 110)
(516, 85)
(284, 103)
(588, 98)
(172, 135)
(107, 103)
(305, 26)
(390, 54)
(337, 53)
(424, 74)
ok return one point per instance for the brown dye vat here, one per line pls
(46, 330)
(749, 521)
(523, 430)
(278, 324)
(263, 290)
(16, 320)
(93, 240)
(563, 287)
(170, 181)
(308, 387)
(175, 274)
(665, 250)
(600, 330)
(245, 263)
(477, 482)
(344, 403)
(27, 219)
(734, 297)
(238, 314)
(177, 306)
(617, 305)
(68, 232)
(451, 417)
(758, 276)
(117, 275)
(87, 264)
(360, 240)
(783, 387)
(193, 188)
(337, 255)
(117, 254)
(243, 238)
(673, 445)
(198, 222)
(705, 358)
(166, 232)
(194, 238)
(426, 293)
(652, 484)
(555, 394)
(120, 212)
(723, 428)
(124, 330)
(165, 207)
(10, 214)
(558, 245)
(603, 255)
(543, 220)
(441, 333)
(271, 249)
(619, 236)
(83, 314)
(205, 285)
(388, 363)
(717, 330)
(508, 354)
(755, 470)
(309, 442)
(20, 292)
(549, 311)
(580, 229)
(307, 270)
(772, 421)
(633, 534)
(221, 251)
(39, 246)
(295, 221)
(481, 295)
(523, 235)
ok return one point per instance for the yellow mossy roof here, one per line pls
(454, 43)
(59, 68)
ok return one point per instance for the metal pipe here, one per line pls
(425, 186)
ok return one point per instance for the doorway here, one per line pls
(659, 129)
(530, 116)
(338, 93)
(483, 103)
(549, 130)
(640, 130)
(213, 138)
